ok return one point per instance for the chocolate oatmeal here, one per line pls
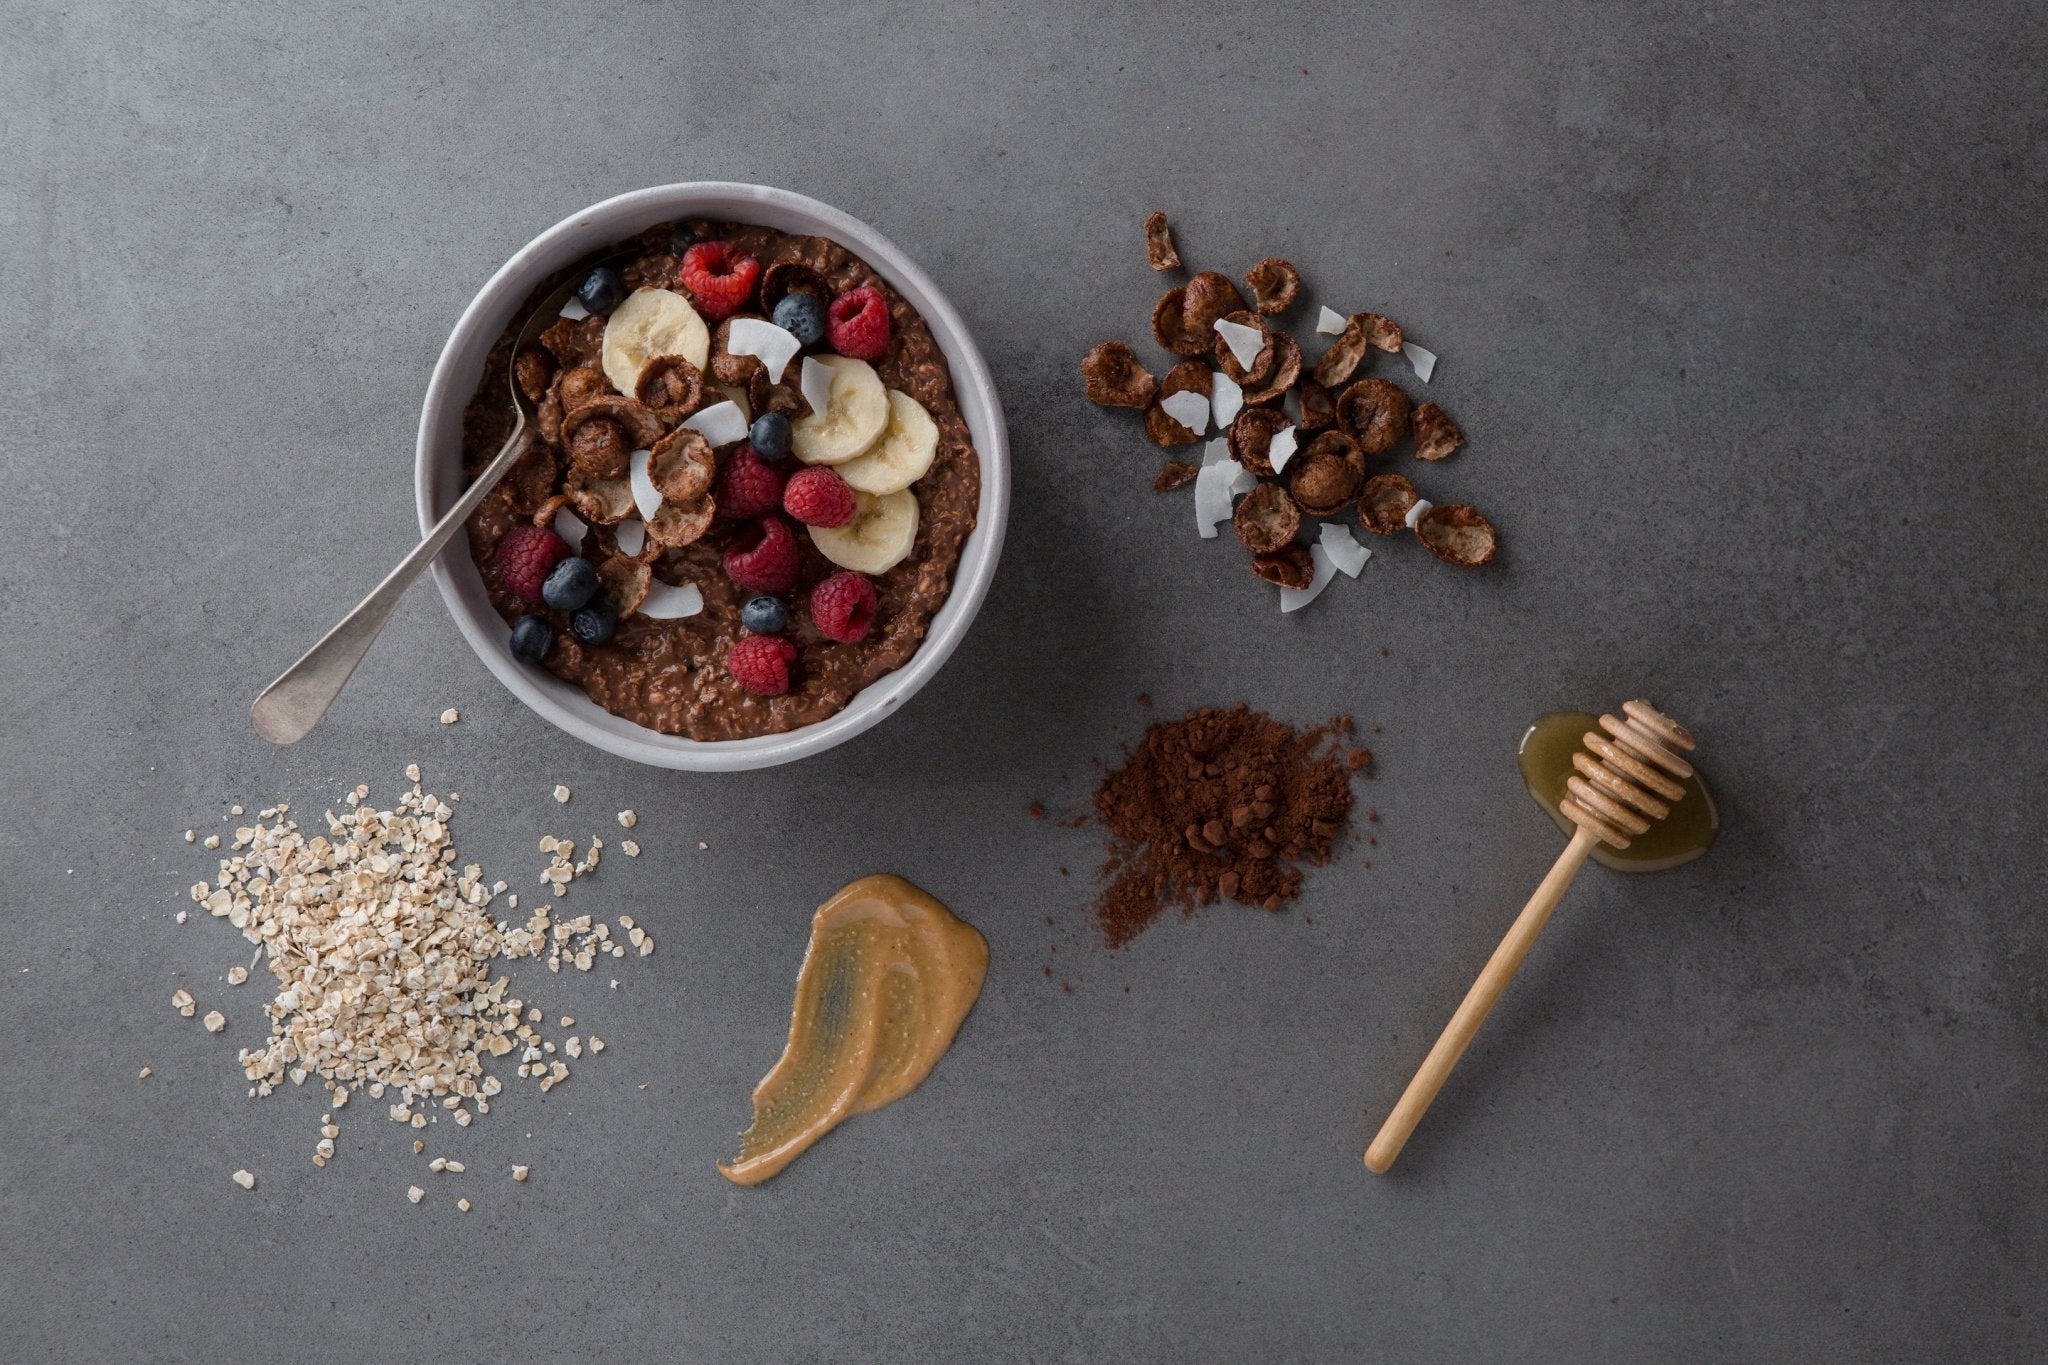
(813, 583)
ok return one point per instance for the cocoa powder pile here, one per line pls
(1220, 805)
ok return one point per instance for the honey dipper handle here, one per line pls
(1478, 1002)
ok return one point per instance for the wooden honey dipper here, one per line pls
(1628, 780)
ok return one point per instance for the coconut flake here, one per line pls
(1191, 410)
(1281, 449)
(1294, 599)
(574, 309)
(1415, 513)
(1330, 322)
(569, 526)
(1216, 452)
(816, 382)
(667, 602)
(1226, 399)
(1345, 553)
(1215, 487)
(632, 538)
(1242, 480)
(1421, 361)
(646, 496)
(773, 346)
(1244, 342)
(720, 424)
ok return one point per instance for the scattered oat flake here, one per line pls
(210, 841)
(596, 1043)
(629, 847)
(627, 819)
(519, 1172)
(415, 1193)
(181, 1001)
(562, 794)
(450, 716)
(143, 1074)
(215, 1021)
(244, 1179)
(462, 1204)
(190, 835)
(412, 772)
(237, 974)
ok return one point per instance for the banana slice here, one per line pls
(854, 416)
(877, 539)
(901, 457)
(649, 323)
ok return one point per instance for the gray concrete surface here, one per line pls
(1741, 306)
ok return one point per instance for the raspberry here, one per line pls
(858, 323)
(762, 558)
(718, 278)
(819, 497)
(525, 556)
(760, 663)
(843, 606)
(747, 488)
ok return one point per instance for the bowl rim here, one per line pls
(453, 380)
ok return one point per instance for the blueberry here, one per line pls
(596, 621)
(770, 436)
(765, 615)
(570, 584)
(601, 290)
(531, 639)
(681, 239)
(802, 316)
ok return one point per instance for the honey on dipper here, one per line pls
(1619, 785)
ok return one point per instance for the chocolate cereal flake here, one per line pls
(1112, 377)
(1286, 370)
(1210, 297)
(1190, 376)
(1457, 534)
(1327, 475)
(1341, 361)
(1290, 566)
(1267, 519)
(1436, 435)
(1318, 406)
(1251, 436)
(1159, 249)
(1170, 324)
(1175, 474)
(1384, 502)
(1375, 413)
(1261, 367)
(1275, 284)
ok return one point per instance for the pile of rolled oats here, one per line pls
(382, 949)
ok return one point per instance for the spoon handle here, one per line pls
(289, 708)
(1472, 1012)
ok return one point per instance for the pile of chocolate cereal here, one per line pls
(1293, 446)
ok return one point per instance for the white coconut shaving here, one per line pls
(569, 526)
(720, 424)
(1415, 513)
(1216, 487)
(646, 496)
(632, 538)
(667, 602)
(773, 346)
(1345, 553)
(1294, 599)
(1244, 342)
(1281, 449)
(1330, 322)
(1191, 410)
(1226, 399)
(1421, 361)
(1216, 452)
(816, 382)
(574, 309)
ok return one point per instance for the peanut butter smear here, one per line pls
(887, 978)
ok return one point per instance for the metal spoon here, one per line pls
(289, 708)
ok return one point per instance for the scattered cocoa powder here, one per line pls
(1222, 804)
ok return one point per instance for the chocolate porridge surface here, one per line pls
(670, 675)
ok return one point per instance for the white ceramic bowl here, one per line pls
(437, 475)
